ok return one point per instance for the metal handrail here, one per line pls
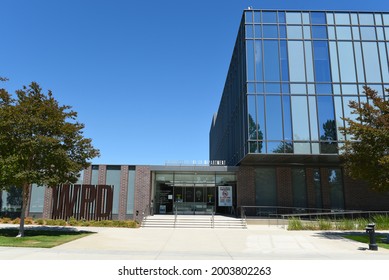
(175, 215)
(243, 215)
(213, 218)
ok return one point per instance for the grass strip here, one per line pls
(380, 238)
(39, 238)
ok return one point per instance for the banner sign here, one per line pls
(225, 195)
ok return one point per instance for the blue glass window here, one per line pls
(368, 33)
(346, 62)
(327, 125)
(294, 32)
(250, 59)
(281, 17)
(296, 61)
(270, 31)
(343, 32)
(249, 31)
(342, 18)
(272, 88)
(284, 61)
(257, 17)
(258, 60)
(271, 60)
(252, 115)
(366, 19)
(249, 16)
(319, 32)
(258, 31)
(273, 117)
(269, 17)
(260, 118)
(318, 18)
(293, 18)
(323, 89)
(285, 88)
(300, 118)
(282, 31)
(313, 118)
(321, 61)
(287, 118)
(372, 63)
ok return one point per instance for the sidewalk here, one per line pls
(257, 242)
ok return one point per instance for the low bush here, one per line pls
(295, 224)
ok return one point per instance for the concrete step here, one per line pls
(192, 221)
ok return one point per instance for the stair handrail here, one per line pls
(213, 217)
(243, 216)
(175, 215)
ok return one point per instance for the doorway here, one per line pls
(194, 200)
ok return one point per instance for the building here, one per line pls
(291, 77)
(275, 137)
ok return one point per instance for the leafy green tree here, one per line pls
(366, 154)
(41, 142)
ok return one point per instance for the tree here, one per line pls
(41, 142)
(366, 151)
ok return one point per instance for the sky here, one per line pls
(145, 77)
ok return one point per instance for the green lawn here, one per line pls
(365, 239)
(38, 238)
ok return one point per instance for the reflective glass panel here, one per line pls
(269, 17)
(281, 17)
(282, 31)
(293, 18)
(321, 61)
(287, 118)
(317, 187)
(378, 19)
(258, 60)
(346, 62)
(270, 31)
(331, 32)
(354, 19)
(380, 33)
(368, 33)
(131, 192)
(250, 88)
(343, 32)
(306, 18)
(386, 18)
(274, 118)
(339, 116)
(324, 89)
(296, 61)
(342, 18)
(261, 118)
(330, 18)
(319, 32)
(372, 63)
(113, 178)
(307, 32)
(298, 89)
(313, 118)
(384, 63)
(334, 62)
(271, 60)
(249, 16)
(309, 61)
(257, 17)
(301, 148)
(327, 125)
(349, 89)
(356, 33)
(294, 32)
(318, 18)
(258, 31)
(284, 61)
(249, 31)
(359, 63)
(300, 118)
(252, 118)
(36, 199)
(272, 88)
(250, 59)
(366, 19)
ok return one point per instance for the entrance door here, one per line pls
(194, 200)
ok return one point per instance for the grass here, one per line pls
(365, 239)
(39, 238)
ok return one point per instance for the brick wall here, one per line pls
(123, 192)
(284, 186)
(246, 187)
(142, 189)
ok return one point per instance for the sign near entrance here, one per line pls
(225, 195)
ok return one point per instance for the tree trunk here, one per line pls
(25, 197)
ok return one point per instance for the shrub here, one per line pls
(381, 221)
(295, 224)
(6, 220)
(28, 221)
(345, 224)
(16, 221)
(324, 224)
(40, 222)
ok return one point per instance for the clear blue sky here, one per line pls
(145, 77)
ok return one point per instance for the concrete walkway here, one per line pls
(256, 242)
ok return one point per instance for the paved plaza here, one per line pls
(262, 242)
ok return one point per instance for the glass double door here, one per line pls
(192, 200)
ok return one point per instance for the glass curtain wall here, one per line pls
(302, 70)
